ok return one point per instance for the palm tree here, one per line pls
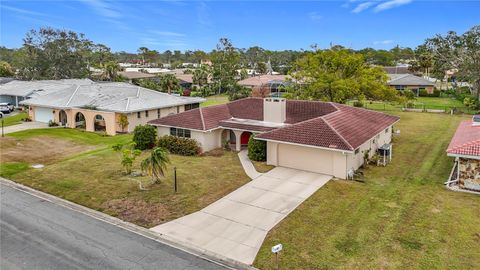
(156, 164)
(169, 82)
(110, 70)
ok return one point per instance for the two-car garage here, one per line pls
(43, 115)
(306, 158)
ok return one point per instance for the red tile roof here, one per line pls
(312, 123)
(346, 128)
(466, 140)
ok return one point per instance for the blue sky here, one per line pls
(276, 25)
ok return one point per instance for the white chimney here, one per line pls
(274, 110)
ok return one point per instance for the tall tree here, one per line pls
(54, 54)
(338, 75)
(169, 83)
(458, 52)
(225, 62)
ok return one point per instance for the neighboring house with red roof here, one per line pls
(315, 136)
(465, 147)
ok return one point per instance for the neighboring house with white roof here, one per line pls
(99, 106)
(410, 82)
(15, 91)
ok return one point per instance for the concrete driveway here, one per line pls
(236, 225)
(24, 126)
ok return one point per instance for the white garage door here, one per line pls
(306, 158)
(43, 114)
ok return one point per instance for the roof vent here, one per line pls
(476, 120)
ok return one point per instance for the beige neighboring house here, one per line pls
(99, 106)
(410, 82)
(262, 80)
(314, 136)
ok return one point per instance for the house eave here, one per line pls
(307, 145)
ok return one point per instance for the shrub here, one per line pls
(186, 93)
(423, 93)
(358, 104)
(144, 137)
(179, 146)
(257, 150)
(52, 123)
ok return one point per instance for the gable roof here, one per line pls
(312, 123)
(408, 79)
(466, 141)
(109, 96)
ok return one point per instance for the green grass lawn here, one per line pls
(215, 100)
(13, 120)
(439, 102)
(401, 217)
(95, 179)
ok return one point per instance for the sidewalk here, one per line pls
(247, 165)
(24, 126)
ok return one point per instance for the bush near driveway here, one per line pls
(257, 150)
(144, 137)
(180, 146)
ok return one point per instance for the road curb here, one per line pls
(198, 252)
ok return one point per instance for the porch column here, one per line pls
(238, 135)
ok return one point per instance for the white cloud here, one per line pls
(104, 8)
(391, 4)
(361, 7)
(383, 42)
(168, 34)
(314, 16)
(22, 11)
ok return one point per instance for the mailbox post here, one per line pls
(276, 249)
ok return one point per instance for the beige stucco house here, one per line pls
(465, 148)
(100, 106)
(321, 137)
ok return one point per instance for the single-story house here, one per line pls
(397, 70)
(100, 106)
(15, 91)
(465, 148)
(410, 82)
(134, 75)
(274, 83)
(315, 136)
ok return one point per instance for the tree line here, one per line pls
(333, 74)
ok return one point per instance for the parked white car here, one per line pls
(4, 108)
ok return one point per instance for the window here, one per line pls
(179, 132)
(386, 130)
(357, 151)
(192, 106)
(139, 115)
(158, 113)
(400, 87)
(146, 113)
(178, 109)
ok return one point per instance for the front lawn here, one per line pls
(400, 217)
(215, 100)
(14, 119)
(95, 178)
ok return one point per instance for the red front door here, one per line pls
(245, 137)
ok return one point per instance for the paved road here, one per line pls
(236, 225)
(37, 234)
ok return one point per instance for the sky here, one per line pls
(276, 25)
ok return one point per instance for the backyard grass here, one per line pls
(439, 102)
(95, 178)
(400, 217)
(215, 100)
(14, 119)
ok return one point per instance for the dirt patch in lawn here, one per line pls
(42, 149)
(137, 211)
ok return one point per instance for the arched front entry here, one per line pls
(62, 117)
(80, 121)
(245, 137)
(99, 124)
